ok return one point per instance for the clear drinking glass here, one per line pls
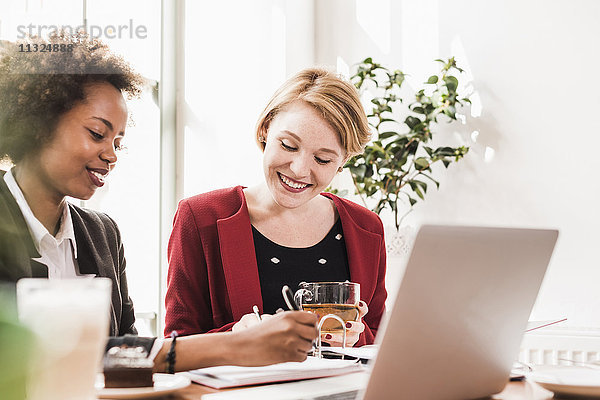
(324, 298)
(69, 318)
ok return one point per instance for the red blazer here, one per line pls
(213, 275)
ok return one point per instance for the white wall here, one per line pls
(534, 65)
(236, 54)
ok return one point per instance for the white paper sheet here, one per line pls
(232, 376)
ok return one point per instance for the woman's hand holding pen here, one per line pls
(249, 320)
(282, 337)
(353, 330)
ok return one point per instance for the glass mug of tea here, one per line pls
(334, 302)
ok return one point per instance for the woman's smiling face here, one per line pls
(82, 150)
(302, 155)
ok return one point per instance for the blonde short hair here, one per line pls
(335, 98)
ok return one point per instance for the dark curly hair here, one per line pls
(36, 88)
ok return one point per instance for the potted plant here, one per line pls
(394, 171)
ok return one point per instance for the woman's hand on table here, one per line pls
(353, 330)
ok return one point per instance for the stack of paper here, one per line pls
(231, 376)
(313, 389)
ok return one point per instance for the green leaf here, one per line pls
(451, 83)
(387, 134)
(437, 184)
(412, 121)
(393, 205)
(400, 139)
(450, 112)
(421, 163)
(358, 170)
(420, 129)
(371, 190)
(376, 146)
(444, 151)
(397, 78)
(421, 185)
(432, 79)
(400, 162)
(419, 193)
(380, 206)
(340, 193)
(412, 147)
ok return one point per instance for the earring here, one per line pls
(262, 139)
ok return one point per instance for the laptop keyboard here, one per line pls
(350, 395)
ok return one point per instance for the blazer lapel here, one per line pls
(38, 270)
(239, 262)
(88, 261)
(20, 249)
(362, 247)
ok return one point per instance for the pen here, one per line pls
(288, 297)
(256, 312)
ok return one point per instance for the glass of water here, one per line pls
(69, 319)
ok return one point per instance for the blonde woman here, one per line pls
(234, 248)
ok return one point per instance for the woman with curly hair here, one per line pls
(62, 121)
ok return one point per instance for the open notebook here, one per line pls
(231, 376)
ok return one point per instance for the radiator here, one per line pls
(554, 346)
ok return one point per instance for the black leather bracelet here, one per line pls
(171, 354)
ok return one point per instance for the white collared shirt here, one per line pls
(58, 252)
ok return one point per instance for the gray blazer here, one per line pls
(99, 252)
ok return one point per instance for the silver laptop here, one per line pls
(460, 312)
(457, 322)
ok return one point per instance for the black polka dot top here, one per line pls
(326, 261)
